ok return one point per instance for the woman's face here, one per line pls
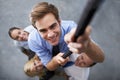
(37, 66)
(19, 35)
(83, 60)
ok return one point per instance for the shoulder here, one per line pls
(33, 34)
(35, 38)
(17, 43)
(20, 44)
(29, 29)
(68, 24)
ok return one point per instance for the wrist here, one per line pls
(52, 65)
(89, 45)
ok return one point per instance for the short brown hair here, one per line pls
(41, 9)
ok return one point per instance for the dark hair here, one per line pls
(11, 29)
(92, 64)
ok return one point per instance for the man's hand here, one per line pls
(81, 43)
(84, 44)
(57, 61)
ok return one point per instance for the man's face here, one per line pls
(19, 34)
(49, 28)
(83, 60)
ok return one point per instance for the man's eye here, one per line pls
(43, 31)
(53, 26)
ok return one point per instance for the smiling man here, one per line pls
(50, 32)
(49, 29)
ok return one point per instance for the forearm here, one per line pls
(23, 50)
(95, 52)
(52, 65)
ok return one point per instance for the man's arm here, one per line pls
(84, 44)
(95, 52)
(56, 61)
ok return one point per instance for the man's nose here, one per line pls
(50, 33)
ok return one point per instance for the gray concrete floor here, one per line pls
(106, 26)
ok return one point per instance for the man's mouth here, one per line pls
(53, 39)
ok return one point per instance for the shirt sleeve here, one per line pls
(73, 24)
(68, 26)
(36, 46)
(29, 29)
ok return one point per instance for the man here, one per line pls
(50, 32)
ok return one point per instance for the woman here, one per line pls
(34, 67)
(20, 37)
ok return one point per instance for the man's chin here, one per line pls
(53, 43)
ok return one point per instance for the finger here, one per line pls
(60, 54)
(76, 47)
(85, 36)
(69, 37)
(88, 30)
(65, 61)
(74, 50)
